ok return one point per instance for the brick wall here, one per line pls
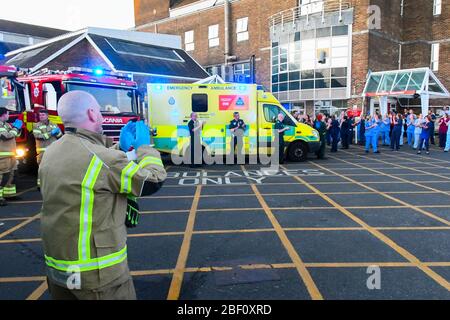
(372, 49)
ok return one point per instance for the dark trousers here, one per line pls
(334, 142)
(427, 143)
(442, 139)
(196, 151)
(395, 139)
(321, 152)
(432, 135)
(345, 139)
(350, 136)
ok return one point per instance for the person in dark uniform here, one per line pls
(396, 132)
(362, 130)
(351, 133)
(321, 127)
(237, 129)
(280, 128)
(345, 132)
(195, 130)
(334, 133)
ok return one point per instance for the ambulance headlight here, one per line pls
(20, 152)
(315, 134)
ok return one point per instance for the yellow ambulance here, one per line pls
(170, 107)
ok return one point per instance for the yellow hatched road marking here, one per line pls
(415, 208)
(178, 275)
(293, 254)
(20, 225)
(36, 294)
(403, 252)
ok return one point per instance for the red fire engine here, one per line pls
(24, 94)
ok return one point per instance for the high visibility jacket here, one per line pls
(84, 185)
(8, 136)
(43, 137)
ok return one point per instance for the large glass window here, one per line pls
(111, 99)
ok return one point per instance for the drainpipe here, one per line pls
(400, 57)
(227, 29)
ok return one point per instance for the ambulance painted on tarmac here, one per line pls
(170, 107)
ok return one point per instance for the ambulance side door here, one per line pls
(267, 115)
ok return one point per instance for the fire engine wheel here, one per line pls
(298, 151)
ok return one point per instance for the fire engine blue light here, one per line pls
(98, 72)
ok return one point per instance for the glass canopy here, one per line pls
(404, 83)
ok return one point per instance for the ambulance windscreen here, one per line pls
(112, 100)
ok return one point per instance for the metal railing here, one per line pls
(316, 7)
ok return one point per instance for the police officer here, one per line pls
(45, 133)
(195, 130)
(280, 129)
(237, 129)
(85, 184)
(8, 162)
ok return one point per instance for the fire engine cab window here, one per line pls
(112, 100)
(199, 103)
(7, 95)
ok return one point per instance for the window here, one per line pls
(189, 40)
(213, 35)
(437, 7)
(142, 50)
(271, 112)
(435, 56)
(242, 29)
(112, 100)
(242, 72)
(200, 102)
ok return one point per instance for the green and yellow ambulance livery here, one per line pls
(170, 107)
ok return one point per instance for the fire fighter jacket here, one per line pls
(8, 136)
(43, 136)
(84, 185)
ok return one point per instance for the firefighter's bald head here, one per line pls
(79, 109)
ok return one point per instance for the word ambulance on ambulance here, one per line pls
(170, 107)
(116, 94)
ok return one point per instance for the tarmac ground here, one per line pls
(354, 226)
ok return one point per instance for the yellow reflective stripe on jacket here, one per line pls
(150, 160)
(87, 203)
(127, 177)
(89, 264)
(7, 154)
(40, 149)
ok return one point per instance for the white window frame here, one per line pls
(242, 29)
(435, 47)
(437, 7)
(189, 40)
(213, 35)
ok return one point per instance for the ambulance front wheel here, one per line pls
(298, 151)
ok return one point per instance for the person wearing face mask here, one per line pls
(89, 189)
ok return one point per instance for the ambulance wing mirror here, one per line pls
(50, 96)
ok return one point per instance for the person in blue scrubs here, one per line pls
(372, 130)
(427, 130)
(385, 129)
(410, 129)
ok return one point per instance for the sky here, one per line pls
(70, 14)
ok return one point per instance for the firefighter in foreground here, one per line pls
(86, 184)
(8, 162)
